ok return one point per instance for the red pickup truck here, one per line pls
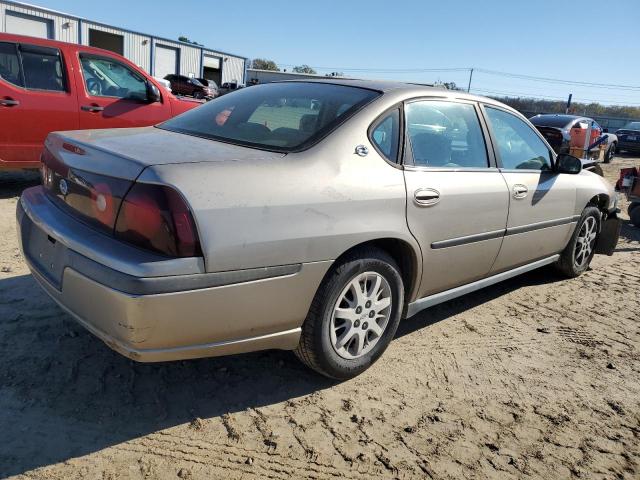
(47, 86)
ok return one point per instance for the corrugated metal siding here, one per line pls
(65, 29)
(232, 67)
(189, 57)
(137, 48)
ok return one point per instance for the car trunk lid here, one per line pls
(89, 172)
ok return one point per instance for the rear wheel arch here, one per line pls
(404, 254)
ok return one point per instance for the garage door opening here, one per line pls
(107, 41)
(166, 61)
(211, 69)
(22, 24)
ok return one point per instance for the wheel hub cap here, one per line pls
(361, 315)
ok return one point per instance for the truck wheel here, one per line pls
(354, 315)
(576, 257)
(634, 215)
(610, 153)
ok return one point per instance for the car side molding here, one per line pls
(442, 297)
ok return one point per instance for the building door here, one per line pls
(29, 25)
(166, 61)
(108, 41)
(211, 69)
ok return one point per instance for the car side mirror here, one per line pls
(153, 93)
(566, 163)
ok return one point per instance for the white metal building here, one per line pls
(156, 55)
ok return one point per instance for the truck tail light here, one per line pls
(155, 217)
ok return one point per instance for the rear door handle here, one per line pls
(9, 102)
(520, 191)
(426, 197)
(92, 108)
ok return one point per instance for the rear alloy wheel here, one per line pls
(354, 315)
(577, 255)
(360, 315)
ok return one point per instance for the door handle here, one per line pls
(92, 108)
(9, 102)
(425, 197)
(520, 191)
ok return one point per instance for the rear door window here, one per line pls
(445, 134)
(42, 67)
(10, 64)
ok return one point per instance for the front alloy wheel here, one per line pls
(576, 257)
(586, 241)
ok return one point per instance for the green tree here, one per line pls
(186, 40)
(264, 64)
(304, 69)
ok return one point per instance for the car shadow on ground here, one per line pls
(64, 394)
(14, 182)
(629, 233)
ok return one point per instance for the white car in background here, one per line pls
(165, 83)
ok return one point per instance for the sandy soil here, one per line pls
(537, 377)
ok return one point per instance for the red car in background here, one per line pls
(48, 86)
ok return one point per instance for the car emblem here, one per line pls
(64, 188)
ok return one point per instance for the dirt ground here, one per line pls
(537, 377)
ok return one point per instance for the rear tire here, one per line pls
(577, 255)
(345, 332)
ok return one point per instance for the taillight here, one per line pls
(155, 217)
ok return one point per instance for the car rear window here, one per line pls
(283, 117)
(551, 120)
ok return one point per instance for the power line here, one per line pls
(481, 70)
(537, 95)
(557, 80)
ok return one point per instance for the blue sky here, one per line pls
(583, 40)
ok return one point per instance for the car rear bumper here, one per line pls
(629, 146)
(164, 317)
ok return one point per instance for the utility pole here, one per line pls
(470, 77)
(568, 103)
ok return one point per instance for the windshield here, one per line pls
(633, 126)
(277, 116)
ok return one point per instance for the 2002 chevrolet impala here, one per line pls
(309, 216)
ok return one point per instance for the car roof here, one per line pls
(45, 42)
(411, 89)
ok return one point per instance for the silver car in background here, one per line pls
(309, 216)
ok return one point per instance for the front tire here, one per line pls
(354, 315)
(577, 255)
